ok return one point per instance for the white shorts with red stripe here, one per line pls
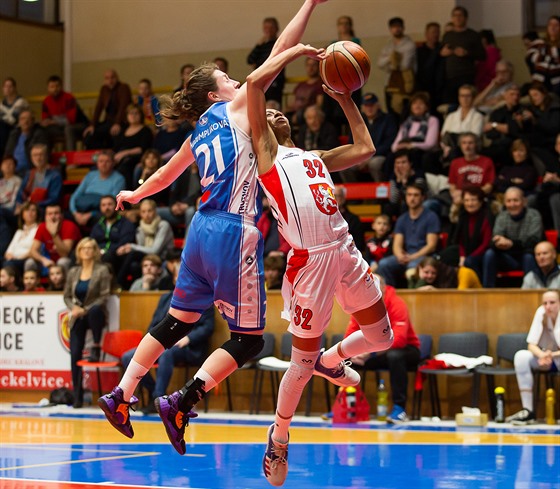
(316, 275)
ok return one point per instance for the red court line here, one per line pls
(40, 484)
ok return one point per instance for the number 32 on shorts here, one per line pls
(302, 317)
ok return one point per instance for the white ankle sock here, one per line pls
(209, 382)
(133, 375)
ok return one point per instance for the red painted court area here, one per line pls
(31, 484)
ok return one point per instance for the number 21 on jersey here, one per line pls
(214, 158)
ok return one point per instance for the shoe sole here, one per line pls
(181, 449)
(110, 417)
(339, 381)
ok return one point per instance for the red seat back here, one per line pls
(116, 343)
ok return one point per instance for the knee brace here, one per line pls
(243, 347)
(170, 330)
(378, 335)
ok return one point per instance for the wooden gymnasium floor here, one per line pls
(48, 448)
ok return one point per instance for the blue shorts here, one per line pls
(222, 263)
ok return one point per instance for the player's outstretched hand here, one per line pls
(311, 52)
(125, 196)
(339, 97)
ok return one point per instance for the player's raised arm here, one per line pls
(162, 178)
(363, 148)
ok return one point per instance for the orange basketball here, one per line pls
(346, 66)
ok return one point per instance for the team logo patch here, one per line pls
(203, 121)
(324, 198)
(369, 279)
(64, 329)
(249, 260)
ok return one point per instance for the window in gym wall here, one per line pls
(538, 12)
(38, 11)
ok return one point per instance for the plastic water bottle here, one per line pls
(549, 406)
(382, 401)
(351, 402)
(500, 405)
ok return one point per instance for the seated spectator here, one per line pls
(432, 274)
(274, 268)
(153, 236)
(472, 234)
(152, 278)
(416, 236)
(493, 95)
(533, 44)
(486, 68)
(41, 185)
(9, 186)
(546, 274)
(22, 138)
(418, 133)
(185, 72)
(383, 130)
(57, 278)
(542, 353)
(32, 281)
(9, 279)
(19, 249)
(274, 242)
(521, 174)
(516, 232)
(355, 227)
(379, 245)
(61, 116)
(111, 232)
(403, 356)
(170, 137)
(306, 93)
(131, 143)
(54, 241)
(548, 195)
(403, 175)
(84, 202)
(85, 294)
(149, 104)
(112, 102)
(316, 132)
(150, 163)
(221, 63)
(546, 60)
(10, 107)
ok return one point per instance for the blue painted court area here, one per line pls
(311, 465)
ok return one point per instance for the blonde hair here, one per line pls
(86, 241)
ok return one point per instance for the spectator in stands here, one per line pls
(345, 29)
(9, 186)
(486, 69)
(150, 162)
(185, 73)
(419, 132)
(170, 137)
(383, 130)
(19, 249)
(516, 232)
(274, 268)
(533, 44)
(10, 107)
(54, 241)
(542, 353)
(493, 94)
(56, 278)
(402, 357)
(521, 174)
(462, 47)
(111, 232)
(432, 274)
(398, 60)
(274, 242)
(152, 278)
(42, 185)
(113, 100)
(32, 281)
(548, 196)
(415, 236)
(355, 227)
(403, 175)
(546, 274)
(316, 132)
(22, 138)
(153, 236)
(547, 58)
(9, 279)
(379, 245)
(504, 125)
(260, 53)
(149, 104)
(472, 234)
(131, 143)
(222, 63)
(61, 116)
(190, 350)
(84, 202)
(470, 169)
(306, 93)
(430, 72)
(85, 294)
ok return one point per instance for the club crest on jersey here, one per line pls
(203, 120)
(324, 198)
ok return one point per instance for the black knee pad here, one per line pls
(170, 330)
(243, 347)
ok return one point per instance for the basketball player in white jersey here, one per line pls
(222, 262)
(323, 263)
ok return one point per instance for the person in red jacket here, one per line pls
(403, 356)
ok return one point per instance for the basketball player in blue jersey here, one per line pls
(222, 262)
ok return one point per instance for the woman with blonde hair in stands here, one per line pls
(86, 292)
